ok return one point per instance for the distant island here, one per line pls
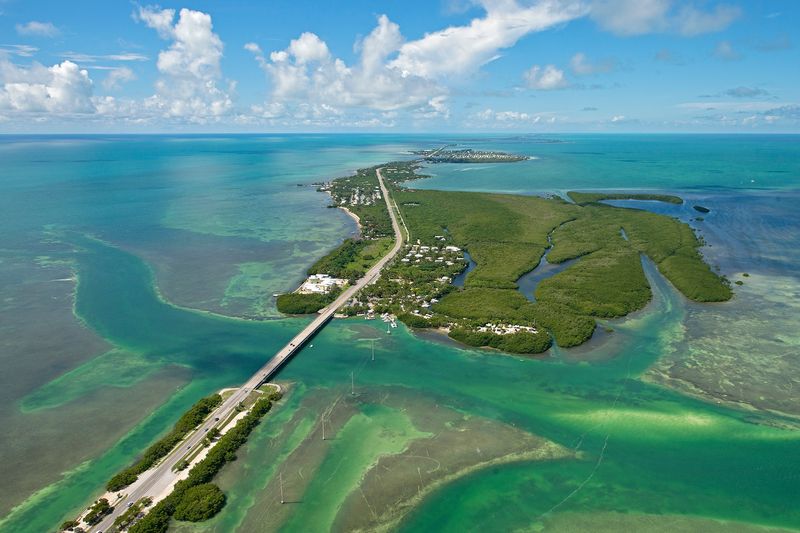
(467, 155)
(467, 252)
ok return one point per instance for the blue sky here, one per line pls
(437, 65)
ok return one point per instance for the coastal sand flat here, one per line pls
(396, 484)
(374, 492)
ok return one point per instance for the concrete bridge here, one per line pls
(155, 482)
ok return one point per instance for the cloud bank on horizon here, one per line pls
(533, 65)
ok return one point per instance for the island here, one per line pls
(496, 239)
(584, 198)
(467, 155)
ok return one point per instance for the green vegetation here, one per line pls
(583, 198)
(97, 511)
(69, 525)
(501, 264)
(352, 258)
(674, 247)
(126, 519)
(402, 171)
(507, 236)
(189, 421)
(336, 262)
(200, 502)
(295, 303)
(203, 501)
(155, 521)
(523, 342)
(361, 194)
(483, 305)
(607, 283)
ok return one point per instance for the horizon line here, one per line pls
(462, 134)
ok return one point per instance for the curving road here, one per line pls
(155, 481)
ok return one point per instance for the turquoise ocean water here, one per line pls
(137, 273)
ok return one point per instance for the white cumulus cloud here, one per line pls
(460, 50)
(308, 48)
(253, 47)
(158, 19)
(308, 82)
(117, 77)
(190, 68)
(63, 88)
(545, 78)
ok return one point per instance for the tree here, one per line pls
(98, 511)
(200, 502)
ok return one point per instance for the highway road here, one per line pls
(155, 481)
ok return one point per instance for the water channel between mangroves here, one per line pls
(441, 438)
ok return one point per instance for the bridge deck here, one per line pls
(158, 480)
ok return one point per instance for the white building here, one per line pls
(320, 284)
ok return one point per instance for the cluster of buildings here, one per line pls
(471, 156)
(506, 329)
(407, 291)
(320, 284)
(362, 197)
(418, 253)
(344, 192)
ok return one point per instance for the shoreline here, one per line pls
(441, 335)
(193, 457)
(548, 451)
(354, 217)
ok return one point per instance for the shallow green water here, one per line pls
(643, 449)
(647, 449)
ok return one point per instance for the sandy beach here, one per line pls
(353, 216)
